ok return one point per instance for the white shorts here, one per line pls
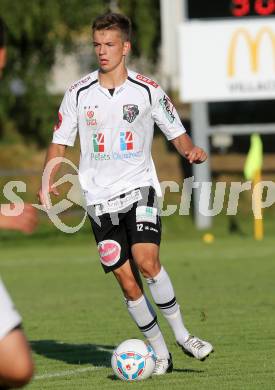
(9, 317)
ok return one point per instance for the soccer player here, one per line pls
(114, 110)
(16, 366)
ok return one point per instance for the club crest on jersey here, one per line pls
(130, 112)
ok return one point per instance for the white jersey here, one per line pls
(116, 133)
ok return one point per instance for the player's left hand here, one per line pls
(25, 222)
(196, 155)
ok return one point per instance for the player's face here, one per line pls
(110, 49)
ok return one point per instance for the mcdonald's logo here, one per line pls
(253, 46)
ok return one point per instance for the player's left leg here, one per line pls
(144, 229)
(146, 256)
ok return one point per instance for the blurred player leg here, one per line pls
(16, 367)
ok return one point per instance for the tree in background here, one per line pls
(145, 15)
(35, 29)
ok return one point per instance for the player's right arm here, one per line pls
(54, 151)
(64, 135)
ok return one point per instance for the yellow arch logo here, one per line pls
(253, 44)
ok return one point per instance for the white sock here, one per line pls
(144, 316)
(163, 294)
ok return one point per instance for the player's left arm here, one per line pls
(166, 117)
(187, 149)
(25, 222)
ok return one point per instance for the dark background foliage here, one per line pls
(35, 29)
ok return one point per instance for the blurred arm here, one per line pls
(26, 222)
(2, 47)
(2, 59)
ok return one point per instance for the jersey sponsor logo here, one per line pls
(130, 112)
(109, 252)
(59, 123)
(126, 140)
(153, 230)
(115, 156)
(168, 108)
(118, 203)
(126, 155)
(90, 119)
(81, 82)
(141, 228)
(100, 156)
(146, 214)
(126, 148)
(147, 80)
(98, 143)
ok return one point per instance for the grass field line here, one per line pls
(68, 372)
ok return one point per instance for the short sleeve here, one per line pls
(66, 129)
(165, 116)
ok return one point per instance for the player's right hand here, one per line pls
(44, 198)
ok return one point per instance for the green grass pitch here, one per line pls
(74, 315)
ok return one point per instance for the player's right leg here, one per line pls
(16, 366)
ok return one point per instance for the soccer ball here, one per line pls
(133, 360)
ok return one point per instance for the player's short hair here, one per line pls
(114, 21)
